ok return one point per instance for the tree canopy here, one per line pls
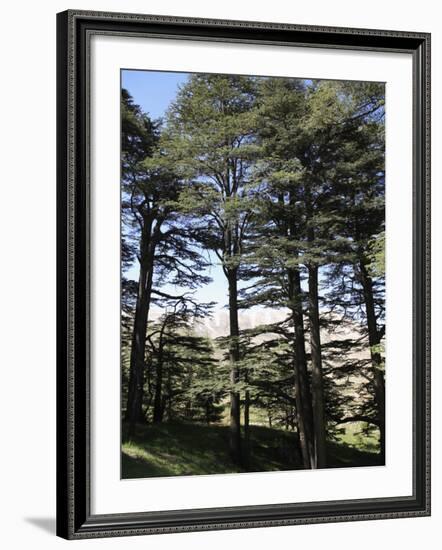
(279, 183)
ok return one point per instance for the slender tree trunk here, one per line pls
(169, 396)
(300, 420)
(287, 419)
(246, 415)
(319, 431)
(208, 403)
(235, 407)
(376, 360)
(304, 413)
(292, 418)
(246, 450)
(317, 376)
(158, 406)
(163, 406)
(134, 411)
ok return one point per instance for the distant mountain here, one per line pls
(218, 323)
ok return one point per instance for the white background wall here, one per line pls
(27, 218)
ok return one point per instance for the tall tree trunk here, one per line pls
(304, 413)
(235, 407)
(319, 432)
(317, 376)
(134, 411)
(208, 409)
(158, 406)
(374, 339)
(169, 396)
(246, 450)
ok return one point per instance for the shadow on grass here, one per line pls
(344, 456)
(179, 448)
(140, 467)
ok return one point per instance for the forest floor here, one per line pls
(171, 449)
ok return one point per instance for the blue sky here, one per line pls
(154, 91)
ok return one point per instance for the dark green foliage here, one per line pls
(181, 366)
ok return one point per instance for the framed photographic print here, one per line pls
(243, 274)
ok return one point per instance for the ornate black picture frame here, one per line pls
(74, 518)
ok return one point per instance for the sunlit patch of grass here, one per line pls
(354, 435)
(353, 446)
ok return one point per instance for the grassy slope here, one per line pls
(189, 449)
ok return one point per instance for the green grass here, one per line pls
(354, 447)
(172, 449)
(352, 434)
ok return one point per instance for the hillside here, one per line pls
(179, 448)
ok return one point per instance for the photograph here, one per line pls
(252, 304)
